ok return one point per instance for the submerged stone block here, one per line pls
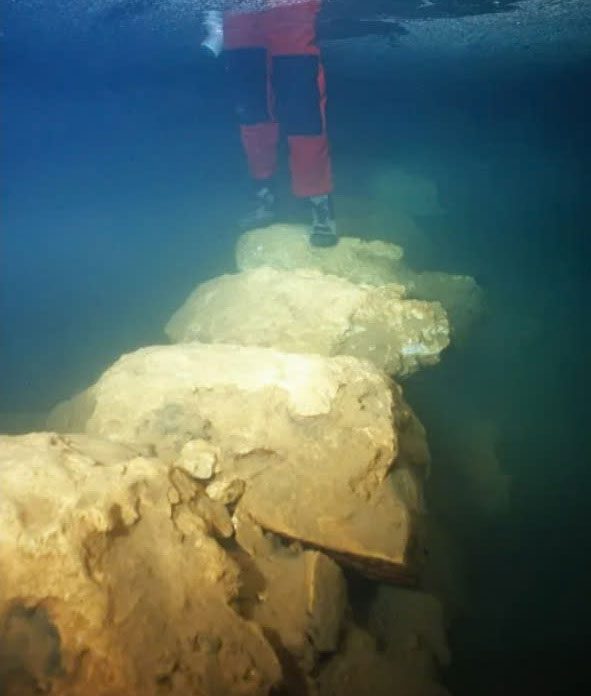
(306, 311)
(297, 596)
(328, 451)
(286, 247)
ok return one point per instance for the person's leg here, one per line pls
(247, 62)
(300, 106)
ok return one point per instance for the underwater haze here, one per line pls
(122, 174)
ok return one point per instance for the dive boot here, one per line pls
(324, 229)
(262, 208)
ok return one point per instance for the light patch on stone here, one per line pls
(199, 459)
(226, 492)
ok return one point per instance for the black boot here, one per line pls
(261, 211)
(324, 229)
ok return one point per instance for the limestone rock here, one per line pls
(111, 585)
(215, 515)
(298, 597)
(326, 599)
(314, 439)
(460, 295)
(199, 459)
(286, 247)
(309, 312)
(226, 491)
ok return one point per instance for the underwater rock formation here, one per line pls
(322, 450)
(285, 247)
(460, 295)
(113, 578)
(298, 597)
(119, 580)
(305, 311)
(202, 531)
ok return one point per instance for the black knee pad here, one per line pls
(247, 72)
(295, 83)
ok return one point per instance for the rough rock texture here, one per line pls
(192, 540)
(199, 459)
(306, 311)
(286, 247)
(112, 582)
(313, 439)
(460, 295)
(298, 597)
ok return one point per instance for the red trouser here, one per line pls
(278, 82)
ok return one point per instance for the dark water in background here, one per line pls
(118, 195)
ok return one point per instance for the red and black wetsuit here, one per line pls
(278, 85)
